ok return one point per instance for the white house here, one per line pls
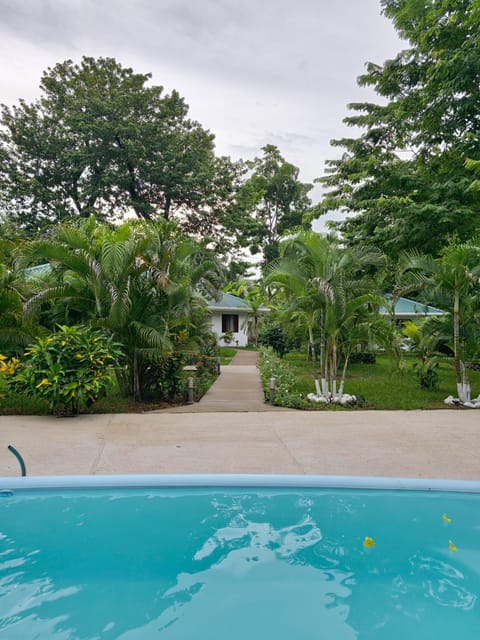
(231, 316)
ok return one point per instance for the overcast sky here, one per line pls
(253, 71)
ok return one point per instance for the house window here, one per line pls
(229, 322)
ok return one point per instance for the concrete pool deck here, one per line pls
(418, 444)
(232, 430)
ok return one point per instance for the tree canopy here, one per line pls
(100, 140)
(271, 201)
(405, 176)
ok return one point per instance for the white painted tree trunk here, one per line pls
(324, 387)
(463, 390)
(334, 388)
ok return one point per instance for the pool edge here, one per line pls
(239, 480)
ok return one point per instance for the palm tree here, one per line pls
(326, 291)
(138, 281)
(453, 281)
(15, 331)
(255, 295)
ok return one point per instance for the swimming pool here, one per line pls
(234, 557)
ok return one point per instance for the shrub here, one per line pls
(69, 369)
(363, 357)
(426, 372)
(286, 394)
(8, 366)
(228, 337)
(164, 379)
(274, 336)
(206, 374)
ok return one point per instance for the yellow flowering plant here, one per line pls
(8, 367)
(70, 368)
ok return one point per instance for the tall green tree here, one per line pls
(100, 140)
(274, 201)
(404, 175)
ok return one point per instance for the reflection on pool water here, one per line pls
(217, 563)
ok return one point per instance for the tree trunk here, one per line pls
(167, 207)
(323, 372)
(463, 386)
(456, 337)
(326, 371)
(344, 373)
(313, 354)
(136, 378)
(334, 370)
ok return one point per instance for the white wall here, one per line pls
(240, 335)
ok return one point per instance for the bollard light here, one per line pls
(272, 390)
(190, 390)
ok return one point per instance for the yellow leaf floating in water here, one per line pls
(368, 542)
(452, 546)
(446, 519)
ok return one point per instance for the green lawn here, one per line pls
(383, 387)
(226, 354)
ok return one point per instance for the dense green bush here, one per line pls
(164, 379)
(69, 369)
(274, 336)
(363, 357)
(426, 372)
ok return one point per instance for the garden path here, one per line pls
(237, 389)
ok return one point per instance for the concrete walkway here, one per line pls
(237, 389)
(232, 430)
(431, 444)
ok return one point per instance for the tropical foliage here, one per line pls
(286, 394)
(15, 331)
(140, 281)
(327, 292)
(453, 279)
(253, 293)
(69, 369)
(101, 142)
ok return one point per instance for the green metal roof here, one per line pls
(405, 308)
(229, 302)
(38, 271)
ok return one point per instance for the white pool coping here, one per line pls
(283, 481)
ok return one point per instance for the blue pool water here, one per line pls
(231, 563)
